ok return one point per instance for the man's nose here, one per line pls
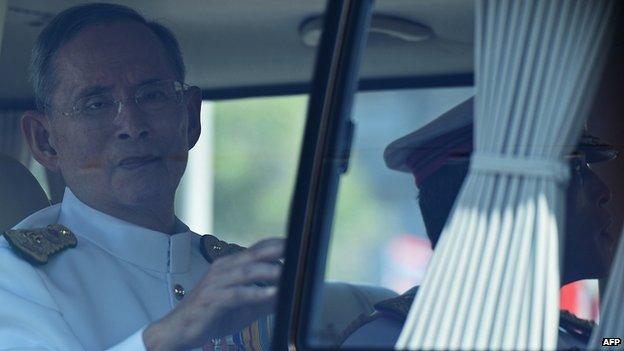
(132, 123)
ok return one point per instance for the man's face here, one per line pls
(589, 242)
(134, 157)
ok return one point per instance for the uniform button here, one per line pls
(178, 291)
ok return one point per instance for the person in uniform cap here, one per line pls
(438, 156)
(111, 267)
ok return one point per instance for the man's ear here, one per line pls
(35, 128)
(193, 107)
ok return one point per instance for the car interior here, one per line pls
(417, 63)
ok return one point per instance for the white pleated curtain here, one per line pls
(493, 281)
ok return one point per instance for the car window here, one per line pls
(378, 236)
(240, 176)
(379, 240)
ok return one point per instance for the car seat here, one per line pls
(341, 304)
(20, 193)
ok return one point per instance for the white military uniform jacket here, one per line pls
(99, 295)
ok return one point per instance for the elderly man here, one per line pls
(438, 157)
(116, 120)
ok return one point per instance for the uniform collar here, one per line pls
(129, 242)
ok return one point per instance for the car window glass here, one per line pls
(378, 241)
(240, 176)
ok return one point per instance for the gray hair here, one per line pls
(69, 23)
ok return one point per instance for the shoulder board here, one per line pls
(575, 326)
(356, 324)
(212, 248)
(397, 307)
(38, 244)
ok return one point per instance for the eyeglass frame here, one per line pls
(180, 87)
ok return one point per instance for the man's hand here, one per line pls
(225, 300)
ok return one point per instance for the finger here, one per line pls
(274, 241)
(269, 282)
(250, 274)
(262, 299)
(269, 250)
(227, 310)
(269, 241)
(274, 245)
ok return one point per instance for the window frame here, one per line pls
(324, 155)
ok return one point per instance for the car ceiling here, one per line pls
(255, 43)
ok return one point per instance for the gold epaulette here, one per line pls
(212, 248)
(38, 244)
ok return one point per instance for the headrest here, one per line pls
(20, 193)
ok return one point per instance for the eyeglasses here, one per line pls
(152, 98)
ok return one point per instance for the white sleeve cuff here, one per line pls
(133, 343)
